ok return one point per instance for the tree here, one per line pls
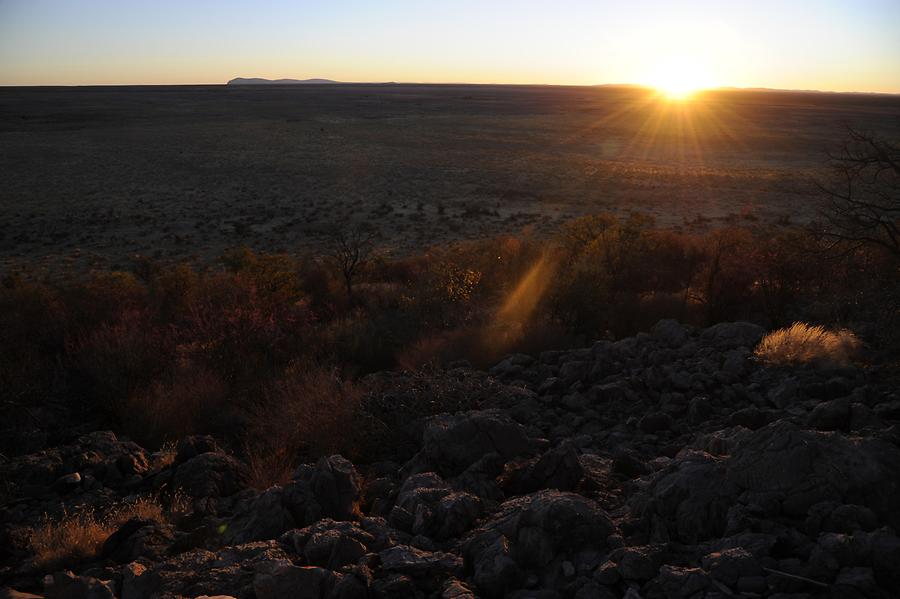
(862, 205)
(350, 248)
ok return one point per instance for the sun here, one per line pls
(680, 79)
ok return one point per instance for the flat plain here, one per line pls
(94, 175)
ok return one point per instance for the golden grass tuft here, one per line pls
(77, 538)
(801, 343)
(72, 539)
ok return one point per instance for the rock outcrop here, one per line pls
(670, 464)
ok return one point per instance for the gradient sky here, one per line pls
(851, 45)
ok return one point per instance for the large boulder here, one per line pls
(557, 468)
(670, 332)
(800, 468)
(688, 500)
(450, 443)
(530, 532)
(328, 489)
(209, 475)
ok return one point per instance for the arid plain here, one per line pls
(92, 176)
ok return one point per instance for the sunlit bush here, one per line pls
(801, 343)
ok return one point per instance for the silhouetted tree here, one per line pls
(350, 247)
(863, 196)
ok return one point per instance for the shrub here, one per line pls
(308, 413)
(76, 538)
(191, 400)
(802, 343)
(115, 359)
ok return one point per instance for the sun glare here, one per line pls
(680, 79)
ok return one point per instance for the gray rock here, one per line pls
(66, 585)
(831, 415)
(263, 517)
(209, 475)
(414, 562)
(452, 443)
(728, 565)
(639, 563)
(336, 487)
(655, 422)
(731, 335)
(805, 467)
(281, 578)
(670, 332)
(680, 583)
(557, 468)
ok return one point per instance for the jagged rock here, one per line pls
(97, 455)
(138, 538)
(414, 562)
(455, 589)
(831, 415)
(352, 583)
(330, 489)
(495, 570)
(226, 571)
(731, 335)
(67, 483)
(452, 443)
(209, 475)
(281, 578)
(858, 581)
(528, 532)
(639, 563)
(655, 422)
(261, 517)
(558, 468)
(752, 418)
(680, 583)
(670, 332)
(194, 445)
(336, 486)
(729, 565)
(331, 544)
(394, 586)
(804, 467)
(66, 585)
(689, 500)
(628, 465)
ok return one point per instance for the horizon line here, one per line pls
(302, 82)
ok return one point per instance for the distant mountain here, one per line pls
(260, 81)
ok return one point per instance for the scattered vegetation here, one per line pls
(801, 343)
(77, 538)
(277, 342)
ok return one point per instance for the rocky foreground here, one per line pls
(664, 465)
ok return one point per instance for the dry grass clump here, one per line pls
(76, 538)
(309, 412)
(801, 343)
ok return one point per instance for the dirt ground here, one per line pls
(92, 176)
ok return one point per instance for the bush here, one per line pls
(191, 400)
(77, 538)
(802, 344)
(308, 413)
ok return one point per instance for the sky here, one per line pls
(851, 45)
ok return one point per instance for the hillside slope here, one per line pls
(670, 464)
